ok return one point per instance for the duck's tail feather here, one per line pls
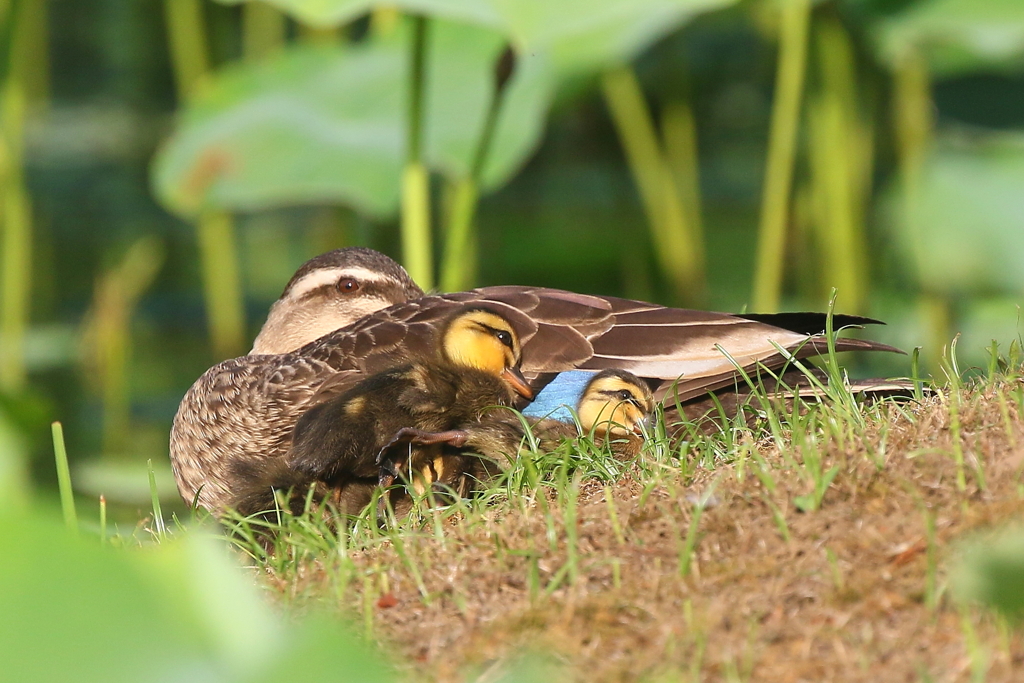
(809, 323)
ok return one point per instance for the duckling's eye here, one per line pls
(348, 285)
(624, 395)
(504, 337)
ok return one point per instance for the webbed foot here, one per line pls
(418, 437)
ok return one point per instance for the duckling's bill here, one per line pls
(515, 379)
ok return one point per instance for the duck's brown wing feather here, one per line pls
(564, 330)
(655, 341)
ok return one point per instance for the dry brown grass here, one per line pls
(854, 591)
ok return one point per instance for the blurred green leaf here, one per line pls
(178, 611)
(312, 125)
(583, 34)
(992, 573)
(958, 35)
(322, 650)
(207, 593)
(75, 612)
(329, 13)
(966, 230)
(320, 124)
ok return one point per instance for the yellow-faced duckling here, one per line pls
(612, 406)
(354, 440)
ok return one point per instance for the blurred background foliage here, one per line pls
(165, 165)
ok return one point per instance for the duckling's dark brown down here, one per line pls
(342, 437)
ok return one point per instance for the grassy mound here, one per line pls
(810, 542)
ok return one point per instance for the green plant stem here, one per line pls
(936, 313)
(17, 264)
(15, 204)
(314, 35)
(789, 85)
(67, 494)
(35, 73)
(678, 254)
(263, 30)
(837, 231)
(914, 124)
(458, 261)
(679, 130)
(841, 167)
(416, 239)
(186, 34)
(103, 519)
(117, 295)
(459, 236)
(222, 284)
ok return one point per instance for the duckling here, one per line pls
(351, 439)
(615, 403)
(245, 409)
(613, 406)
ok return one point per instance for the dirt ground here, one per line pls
(623, 583)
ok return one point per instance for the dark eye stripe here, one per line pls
(616, 395)
(504, 336)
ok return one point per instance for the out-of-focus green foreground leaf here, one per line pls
(992, 573)
(181, 611)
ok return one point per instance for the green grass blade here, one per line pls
(154, 495)
(67, 494)
(103, 519)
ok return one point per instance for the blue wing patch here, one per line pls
(560, 397)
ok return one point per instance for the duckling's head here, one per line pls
(615, 401)
(331, 291)
(483, 339)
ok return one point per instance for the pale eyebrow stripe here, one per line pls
(319, 278)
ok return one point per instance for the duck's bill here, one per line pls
(515, 379)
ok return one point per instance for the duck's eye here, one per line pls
(504, 337)
(348, 285)
(625, 395)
